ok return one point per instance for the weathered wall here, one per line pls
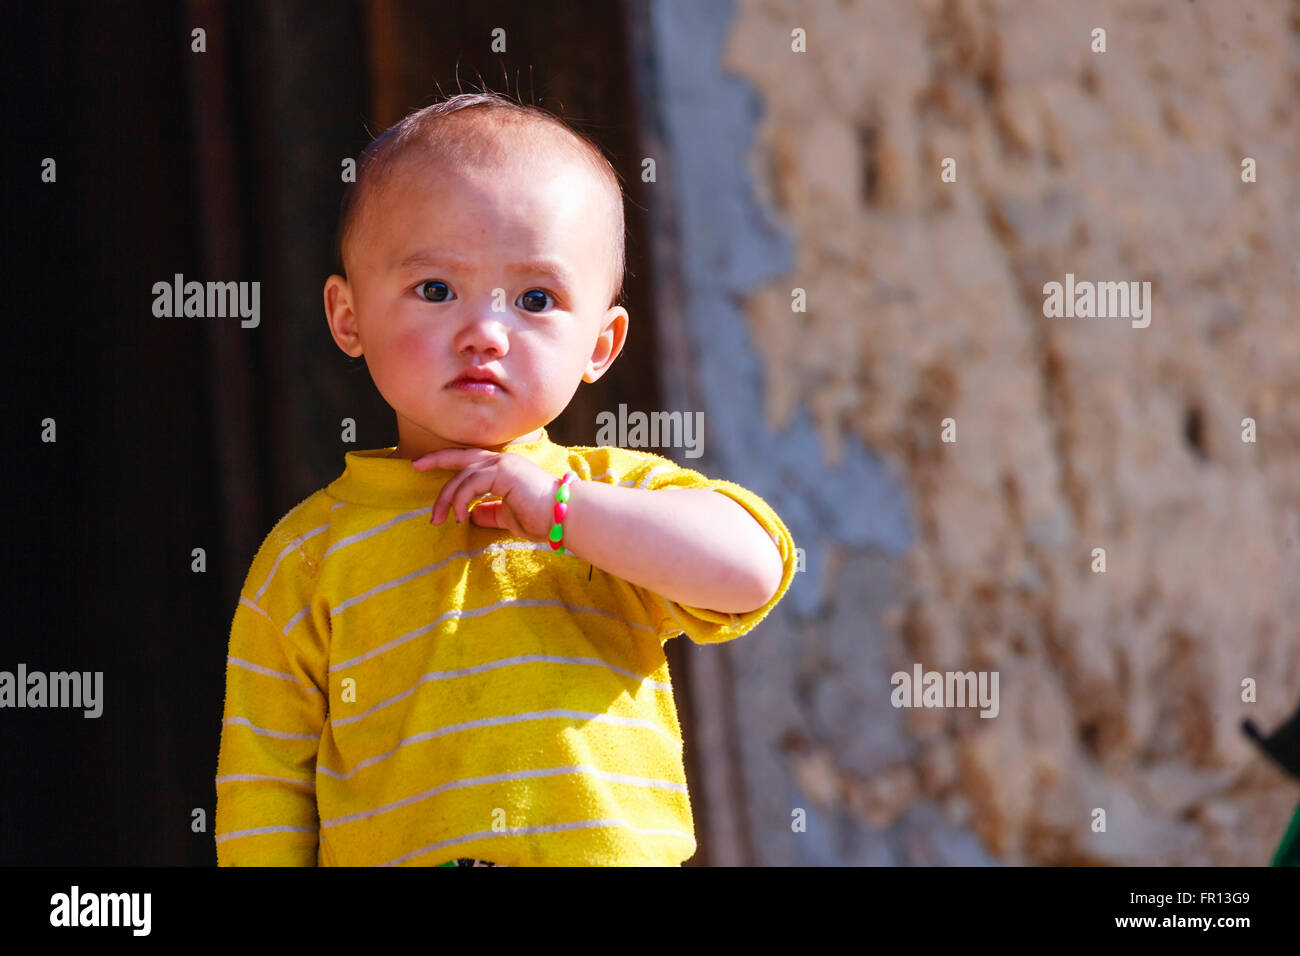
(821, 170)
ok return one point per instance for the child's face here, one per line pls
(448, 272)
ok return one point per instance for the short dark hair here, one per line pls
(419, 131)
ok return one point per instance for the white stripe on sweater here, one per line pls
(504, 662)
(479, 612)
(429, 569)
(282, 734)
(498, 721)
(259, 669)
(501, 778)
(249, 604)
(258, 831)
(377, 529)
(289, 548)
(659, 470)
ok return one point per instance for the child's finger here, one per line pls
(470, 484)
(451, 458)
(487, 514)
(446, 500)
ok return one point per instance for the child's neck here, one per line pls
(532, 437)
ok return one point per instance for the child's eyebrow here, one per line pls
(424, 258)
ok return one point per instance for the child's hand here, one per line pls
(526, 490)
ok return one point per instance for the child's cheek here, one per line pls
(416, 347)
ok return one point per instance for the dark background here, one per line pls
(176, 433)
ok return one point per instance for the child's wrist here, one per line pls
(558, 504)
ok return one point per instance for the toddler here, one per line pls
(402, 688)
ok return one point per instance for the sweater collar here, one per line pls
(371, 477)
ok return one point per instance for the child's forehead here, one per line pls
(406, 187)
(414, 235)
(518, 169)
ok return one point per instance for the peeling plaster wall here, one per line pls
(1119, 690)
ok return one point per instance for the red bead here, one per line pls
(555, 545)
(561, 509)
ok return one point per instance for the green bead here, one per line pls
(556, 532)
(563, 493)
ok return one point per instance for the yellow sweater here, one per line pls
(404, 693)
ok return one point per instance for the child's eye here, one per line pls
(439, 293)
(534, 300)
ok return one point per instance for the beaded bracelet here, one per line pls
(561, 509)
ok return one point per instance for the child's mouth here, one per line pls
(471, 386)
(478, 380)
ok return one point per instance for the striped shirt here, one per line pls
(400, 693)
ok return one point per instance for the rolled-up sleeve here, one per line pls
(701, 625)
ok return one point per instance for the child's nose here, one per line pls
(484, 331)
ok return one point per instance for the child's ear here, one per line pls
(608, 344)
(340, 315)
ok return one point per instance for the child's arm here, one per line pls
(692, 546)
(274, 713)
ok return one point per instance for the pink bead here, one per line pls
(561, 509)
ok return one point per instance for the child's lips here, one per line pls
(472, 386)
(477, 382)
